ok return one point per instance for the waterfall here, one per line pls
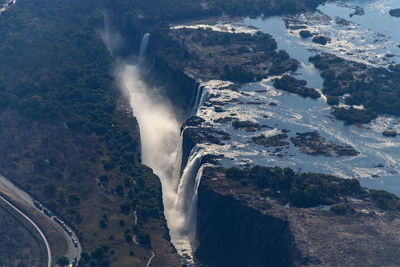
(142, 50)
(178, 163)
(187, 180)
(195, 101)
(161, 142)
(187, 192)
(185, 206)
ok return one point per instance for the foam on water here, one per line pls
(220, 27)
(6, 4)
(367, 38)
(300, 115)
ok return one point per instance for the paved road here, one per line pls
(16, 194)
(34, 225)
(74, 252)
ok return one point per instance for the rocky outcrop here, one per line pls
(312, 143)
(240, 226)
(390, 133)
(194, 133)
(247, 126)
(271, 141)
(395, 12)
(323, 40)
(292, 85)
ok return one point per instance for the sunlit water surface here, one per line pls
(367, 38)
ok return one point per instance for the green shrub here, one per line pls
(385, 200)
(341, 209)
(332, 100)
(308, 189)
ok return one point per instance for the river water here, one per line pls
(366, 36)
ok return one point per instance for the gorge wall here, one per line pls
(232, 234)
(241, 226)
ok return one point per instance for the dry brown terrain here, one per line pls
(20, 245)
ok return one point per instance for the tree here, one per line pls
(126, 208)
(74, 199)
(119, 189)
(103, 223)
(49, 190)
(63, 261)
(144, 239)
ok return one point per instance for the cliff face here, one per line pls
(178, 87)
(233, 234)
(240, 226)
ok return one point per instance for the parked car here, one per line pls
(38, 205)
(47, 212)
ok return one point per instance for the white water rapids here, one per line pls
(5, 4)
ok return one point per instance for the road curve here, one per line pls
(34, 225)
(7, 188)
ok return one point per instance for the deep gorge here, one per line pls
(72, 108)
(208, 227)
(168, 148)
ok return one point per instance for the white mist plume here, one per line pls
(159, 129)
(161, 143)
(112, 39)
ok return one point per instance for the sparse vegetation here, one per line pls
(376, 89)
(305, 34)
(98, 257)
(216, 56)
(341, 209)
(292, 85)
(322, 40)
(63, 261)
(385, 200)
(310, 189)
(19, 241)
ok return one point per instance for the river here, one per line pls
(368, 38)
(360, 31)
